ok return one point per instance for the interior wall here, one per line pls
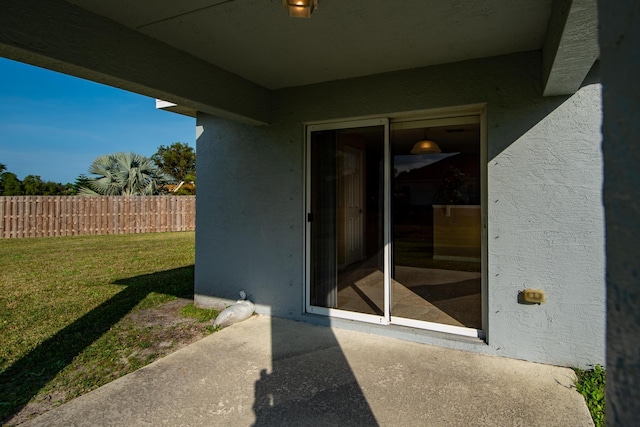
(545, 219)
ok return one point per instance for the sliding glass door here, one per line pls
(394, 223)
(346, 216)
(436, 223)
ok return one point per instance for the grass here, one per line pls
(66, 306)
(591, 384)
(200, 314)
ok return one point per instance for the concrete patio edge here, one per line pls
(271, 371)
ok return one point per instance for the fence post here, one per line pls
(2, 217)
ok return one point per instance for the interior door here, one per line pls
(351, 187)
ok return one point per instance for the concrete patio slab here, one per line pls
(273, 372)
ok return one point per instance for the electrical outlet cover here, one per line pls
(534, 295)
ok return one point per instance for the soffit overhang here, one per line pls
(225, 57)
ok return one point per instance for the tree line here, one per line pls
(171, 170)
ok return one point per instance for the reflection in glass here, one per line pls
(347, 184)
(436, 227)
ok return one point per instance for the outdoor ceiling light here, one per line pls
(426, 146)
(300, 8)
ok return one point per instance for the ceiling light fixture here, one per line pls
(300, 8)
(425, 146)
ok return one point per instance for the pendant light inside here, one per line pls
(300, 8)
(426, 146)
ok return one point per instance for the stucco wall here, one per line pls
(546, 231)
(545, 214)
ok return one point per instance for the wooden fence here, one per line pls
(40, 216)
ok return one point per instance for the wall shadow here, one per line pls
(311, 382)
(523, 117)
(24, 379)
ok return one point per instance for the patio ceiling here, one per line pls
(257, 40)
(235, 52)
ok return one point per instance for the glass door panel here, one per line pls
(346, 215)
(436, 225)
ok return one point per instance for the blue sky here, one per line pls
(54, 125)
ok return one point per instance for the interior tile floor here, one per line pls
(428, 294)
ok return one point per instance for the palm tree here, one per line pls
(123, 174)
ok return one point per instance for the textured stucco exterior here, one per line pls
(545, 216)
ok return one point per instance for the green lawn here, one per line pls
(63, 302)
